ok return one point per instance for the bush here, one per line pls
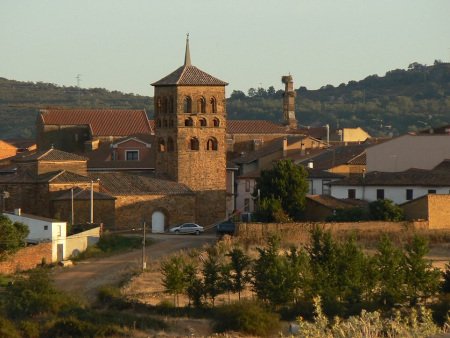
(385, 210)
(73, 327)
(248, 317)
(7, 329)
(111, 296)
(29, 329)
(349, 215)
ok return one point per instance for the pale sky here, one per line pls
(127, 44)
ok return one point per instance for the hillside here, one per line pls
(400, 101)
(21, 101)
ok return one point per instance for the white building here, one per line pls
(399, 187)
(43, 230)
(423, 151)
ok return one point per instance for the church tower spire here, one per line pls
(187, 55)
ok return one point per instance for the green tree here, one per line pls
(240, 264)
(193, 285)
(446, 282)
(211, 276)
(422, 279)
(12, 236)
(34, 295)
(173, 277)
(286, 183)
(272, 278)
(391, 275)
(385, 210)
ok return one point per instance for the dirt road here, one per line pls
(86, 277)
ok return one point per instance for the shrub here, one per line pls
(111, 296)
(248, 317)
(7, 329)
(29, 329)
(385, 210)
(73, 327)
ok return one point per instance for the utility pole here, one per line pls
(144, 262)
(71, 205)
(78, 77)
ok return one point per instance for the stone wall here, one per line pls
(299, 232)
(104, 211)
(27, 258)
(439, 211)
(131, 211)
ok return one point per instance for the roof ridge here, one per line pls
(58, 173)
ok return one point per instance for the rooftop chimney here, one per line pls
(311, 164)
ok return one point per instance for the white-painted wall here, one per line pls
(408, 151)
(55, 231)
(396, 194)
(242, 194)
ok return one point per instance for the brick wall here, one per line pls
(27, 258)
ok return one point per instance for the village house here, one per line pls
(399, 187)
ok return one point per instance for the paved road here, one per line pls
(86, 277)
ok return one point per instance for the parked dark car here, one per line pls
(226, 228)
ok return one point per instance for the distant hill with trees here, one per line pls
(402, 100)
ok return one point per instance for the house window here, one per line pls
(311, 190)
(351, 193)
(326, 187)
(171, 105)
(187, 105)
(409, 194)
(132, 155)
(247, 185)
(194, 144)
(201, 105)
(211, 144)
(164, 105)
(59, 230)
(170, 145)
(161, 145)
(158, 105)
(45, 227)
(380, 194)
(158, 123)
(431, 191)
(247, 204)
(213, 105)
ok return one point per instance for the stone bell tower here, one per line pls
(289, 102)
(190, 128)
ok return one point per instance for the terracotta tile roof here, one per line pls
(317, 173)
(335, 156)
(102, 122)
(410, 177)
(444, 165)
(79, 194)
(115, 183)
(100, 159)
(64, 176)
(361, 159)
(48, 155)
(189, 76)
(335, 203)
(254, 127)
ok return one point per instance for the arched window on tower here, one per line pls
(213, 105)
(171, 105)
(194, 144)
(189, 122)
(187, 105)
(158, 104)
(216, 122)
(161, 145)
(201, 105)
(202, 122)
(170, 145)
(164, 105)
(211, 144)
(158, 123)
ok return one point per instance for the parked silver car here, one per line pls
(187, 228)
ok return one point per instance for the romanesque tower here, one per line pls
(289, 102)
(190, 122)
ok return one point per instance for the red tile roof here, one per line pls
(255, 127)
(103, 122)
(189, 76)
